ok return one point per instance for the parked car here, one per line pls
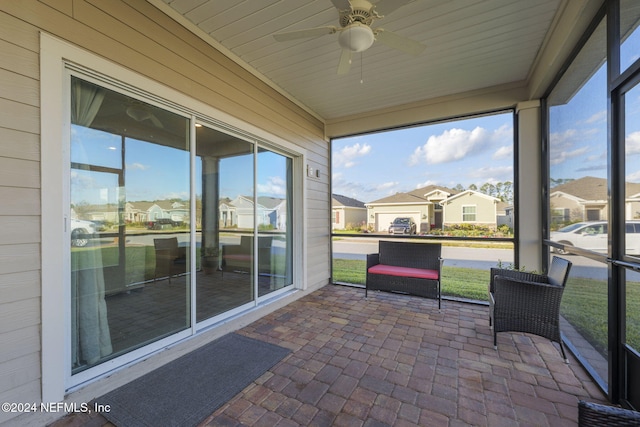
(80, 231)
(403, 225)
(161, 224)
(594, 236)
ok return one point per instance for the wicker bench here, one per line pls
(410, 268)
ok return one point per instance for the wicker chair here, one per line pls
(171, 259)
(528, 302)
(596, 415)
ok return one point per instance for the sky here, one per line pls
(155, 172)
(471, 151)
(578, 129)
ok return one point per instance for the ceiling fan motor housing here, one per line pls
(361, 11)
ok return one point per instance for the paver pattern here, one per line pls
(396, 360)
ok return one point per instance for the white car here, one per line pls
(79, 231)
(594, 236)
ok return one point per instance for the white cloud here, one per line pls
(452, 144)
(425, 184)
(347, 156)
(558, 157)
(386, 185)
(504, 152)
(363, 192)
(632, 143)
(275, 186)
(563, 145)
(599, 117)
(137, 166)
(633, 177)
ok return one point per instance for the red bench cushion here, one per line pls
(390, 270)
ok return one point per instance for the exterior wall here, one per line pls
(632, 210)
(339, 224)
(485, 210)
(137, 36)
(576, 210)
(354, 216)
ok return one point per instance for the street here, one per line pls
(480, 258)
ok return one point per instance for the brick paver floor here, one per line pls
(395, 360)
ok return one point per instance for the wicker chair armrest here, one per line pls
(515, 274)
(595, 414)
(372, 259)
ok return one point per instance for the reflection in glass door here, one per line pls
(129, 221)
(224, 222)
(274, 185)
(631, 289)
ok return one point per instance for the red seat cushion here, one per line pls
(391, 270)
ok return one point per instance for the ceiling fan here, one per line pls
(355, 32)
(140, 111)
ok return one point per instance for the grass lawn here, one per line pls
(584, 302)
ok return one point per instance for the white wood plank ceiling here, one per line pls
(470, 44)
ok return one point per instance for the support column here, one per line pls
(529, 191)
(210, 212)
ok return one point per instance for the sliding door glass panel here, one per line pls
(129, 222)
(274, 185)
(224, 222)
(629, 33)
(578, 195)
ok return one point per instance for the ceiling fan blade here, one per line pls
(156, 121)
(345, 62)
(302, 34)
(385, 7)
(341, 4)
(399, 42)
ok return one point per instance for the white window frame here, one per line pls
(56, 58)
(475, 213)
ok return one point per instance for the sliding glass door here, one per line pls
(173, 223)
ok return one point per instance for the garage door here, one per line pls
(384, 219)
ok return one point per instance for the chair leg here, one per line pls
(564, 356)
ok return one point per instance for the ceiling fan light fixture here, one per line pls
(356, 37)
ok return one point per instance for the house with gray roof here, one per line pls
(347, 212)
(422, 204)
(435, 207)
(585, 199)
